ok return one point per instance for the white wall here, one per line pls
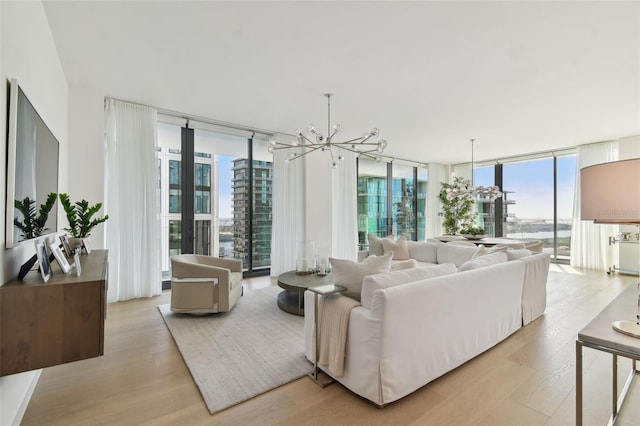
(87, 152)
(28, 54)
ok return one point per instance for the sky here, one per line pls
(532, 185)
(225, 175)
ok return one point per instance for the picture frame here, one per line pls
(78, 265)
(66, 246)
(43, 260)
(85, 246)
(60, 258)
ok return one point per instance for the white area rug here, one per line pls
(237, 355)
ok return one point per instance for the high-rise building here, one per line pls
(261, 213)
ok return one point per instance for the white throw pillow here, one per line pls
(423, 251)
(482, 250)
(349, 274)
(456, 254)
(482, 261)
(399, 265)
(397, 247)
(513, 254)
(371, 283)
(375, 245)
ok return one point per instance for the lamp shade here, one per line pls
(610, 192)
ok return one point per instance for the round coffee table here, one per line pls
(292, 298)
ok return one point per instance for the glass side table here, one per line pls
(323, 290)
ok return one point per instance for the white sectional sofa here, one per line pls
(407, 333)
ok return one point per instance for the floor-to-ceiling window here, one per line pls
(423, 177)
(224, 180)
(537, 200)
(403, 201)
(565, 189)
(391, 200)
(529, 186)
(372, 201)
(485, 176)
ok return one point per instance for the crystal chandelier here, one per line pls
(315, 140)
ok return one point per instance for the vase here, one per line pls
(74, 243)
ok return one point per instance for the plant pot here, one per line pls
(77, 242)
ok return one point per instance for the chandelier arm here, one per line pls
(333, 160)
(307, 139)
(368, 151)
(349, 141)
(358, 144)
(308, 151)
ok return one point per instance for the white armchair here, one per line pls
(204, 284)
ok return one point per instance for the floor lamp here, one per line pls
(610, 194)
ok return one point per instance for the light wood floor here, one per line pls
(528, 379)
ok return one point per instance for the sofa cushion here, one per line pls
(350, 274)
(399, 265)
(397, 247)
(456, 254)
(375, 245)
(513, 254)
(371, 283)
(482, 261)
(423, 251)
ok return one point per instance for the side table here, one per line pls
(324, 290)
(599, 335)
(292, 298)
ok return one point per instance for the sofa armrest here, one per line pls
(534, 290)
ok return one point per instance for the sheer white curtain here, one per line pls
(437, 174)
(590, 242)
(288, 211)
(133, 228)
(344, 208)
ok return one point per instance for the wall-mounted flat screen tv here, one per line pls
(32, 166)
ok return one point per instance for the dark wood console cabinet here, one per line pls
(62, 320)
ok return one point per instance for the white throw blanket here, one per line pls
(333, 322)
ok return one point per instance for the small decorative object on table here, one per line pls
(79, 216)
(473, 233)
(68, 251)
(60, 257)
(306, 261)
(76, 258)
(43, 260)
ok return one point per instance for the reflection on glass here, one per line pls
(372, 201)
(403, 208)
(422, 203)
(175, 237)
(484, 176)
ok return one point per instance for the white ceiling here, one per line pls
(518, 76)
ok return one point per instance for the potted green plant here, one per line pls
(80, 216)
(457, 205)
(33, 224)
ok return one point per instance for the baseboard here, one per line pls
(27, 397)
(20, 394)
